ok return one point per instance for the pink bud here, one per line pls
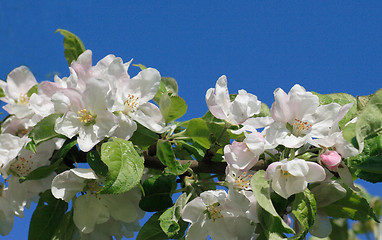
(331, 159)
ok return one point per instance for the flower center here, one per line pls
(86, 117)
(23, 166)
(131, 103)
(242, 181)
(213, 211)
(23, 99)
(300, 127)
(286, 174)
(93, 186)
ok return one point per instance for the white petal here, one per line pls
(149, 116)
(193, 210)
(316, 173)
(89, 211)
(68, 125)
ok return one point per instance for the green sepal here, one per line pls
(141, 66)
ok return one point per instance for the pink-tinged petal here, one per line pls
(19, 81)
(89, 211)
(331, 159)
(316, 173)
(214, 108)
(68, 125)
(296, 167)
(67, 100)
(271, 170)
(126, 127)
(192, 211)
(239, 156)
(280, 110)
(145, 85)
(149, 116)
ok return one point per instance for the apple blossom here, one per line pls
(235, 112)
(291, 177)
(331, 159)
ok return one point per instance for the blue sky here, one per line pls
(325, 46)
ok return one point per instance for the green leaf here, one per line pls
(198, 131)
(65, 228)
(144, 137)
(169, 220)
(125, 166)
(141, 66)
(304, 209)
(167, 157)
(167, 85)
(94, 160)
(151, 230)
(2, 94)
(72, 44)
(44, 129)
(271, 220)
(32, 90)
(352, 206)
(369, 121)
(369, 162)
(157, 191)
(172, 107)
(48, 213)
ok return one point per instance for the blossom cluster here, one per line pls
(295, 151)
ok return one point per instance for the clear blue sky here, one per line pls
(326, 46)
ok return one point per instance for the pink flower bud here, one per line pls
(331, 159)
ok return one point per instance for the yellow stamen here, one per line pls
(86, 117)
(131, 103)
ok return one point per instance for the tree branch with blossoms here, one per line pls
(113, 146)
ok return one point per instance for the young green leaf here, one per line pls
(352, 206)
(167, 85)
(72, 44)
(167, 157)
(125, 166)
(65, 228)
(143, 137)
(44, 129)
(198, 131)
(172, 107)
(304, 209)
(170, 220)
